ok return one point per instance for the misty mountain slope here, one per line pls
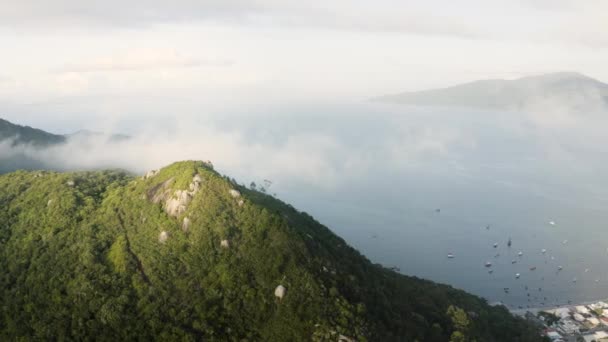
(22, 146)
(573, 89)
(186, 254)
(28, 135)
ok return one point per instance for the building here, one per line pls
(560, 312)
(582, 310)
(553, 335)
(599, 336)
(594, 321)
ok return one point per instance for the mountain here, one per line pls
(568, 88)
(18, 142)
(185, 253)
(86, 134)
(28, 135)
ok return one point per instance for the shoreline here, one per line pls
(536, 310)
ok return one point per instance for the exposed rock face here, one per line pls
(151, 174)
(162, 238)
(280, 291)
(343, 338)
(241, 202)
(49, 202)
(160, 192)
(186, 224)
(225, 244)
(234, 193)
(177, 203)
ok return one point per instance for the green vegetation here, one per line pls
(82, 258)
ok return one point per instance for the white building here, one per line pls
(593, 321)
(578, 317)
(582, 310)
(560, 312)
(596, 337)
(554, 335)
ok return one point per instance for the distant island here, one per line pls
(571, 88)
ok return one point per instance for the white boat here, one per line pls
(559, 267)
(564, 242)
(488, 264)
(450, 256)
(543, 251)
(552, 223)
(517, 275)
(520, 253)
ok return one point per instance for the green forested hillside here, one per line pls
(179, 255)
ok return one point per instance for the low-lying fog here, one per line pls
(376, 175)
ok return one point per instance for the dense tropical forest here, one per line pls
(188, 254)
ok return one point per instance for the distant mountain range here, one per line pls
(36, 137)
(28, 135)
(567, 88)
(16, 141)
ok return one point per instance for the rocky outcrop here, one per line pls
(225, 244)
(163, 236)
(178, 203)
(186, 224)
(280, 291)
(151, 174)
(175, 203)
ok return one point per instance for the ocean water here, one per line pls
(494, 176)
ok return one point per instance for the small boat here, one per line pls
(586, 270)
(495, 245)
(513, 261)
(509, 243)
(533, 268)
(517, 275)
(450, 256)
(552, 223)
(559, 268)
(520, 253)
(491, 271)
(574, 280)
(543, 251)
(564, 242)
(488, 264)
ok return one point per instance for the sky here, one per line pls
(110, 65)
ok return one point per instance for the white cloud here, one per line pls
(146, 59)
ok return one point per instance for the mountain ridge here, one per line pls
(509, 94)
(186, 253)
